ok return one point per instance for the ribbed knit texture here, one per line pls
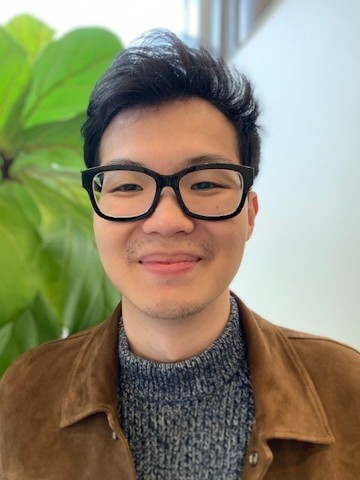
(190, 419)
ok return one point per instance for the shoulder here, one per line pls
(333, 366)
(329, 357)
(326, 360)
(42, 366)
(334, 369)
(33, 388)
(306, 344)
(319, 346)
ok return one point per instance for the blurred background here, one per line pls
(302, 266)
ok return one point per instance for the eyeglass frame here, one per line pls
(172, 181)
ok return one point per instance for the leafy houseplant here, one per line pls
(51, 280)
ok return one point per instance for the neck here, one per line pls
(174, 340)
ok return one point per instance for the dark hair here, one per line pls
(162, 68)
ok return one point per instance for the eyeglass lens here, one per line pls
(208, 192)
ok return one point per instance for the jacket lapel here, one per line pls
(93, 379)
(287, 406)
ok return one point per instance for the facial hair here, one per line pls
(170, 309)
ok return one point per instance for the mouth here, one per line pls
(161, 264)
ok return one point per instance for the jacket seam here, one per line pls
(322, 339)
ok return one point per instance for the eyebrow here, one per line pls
(207, 158)
(190, 162)
(124, 162)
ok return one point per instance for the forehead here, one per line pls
(174, 131)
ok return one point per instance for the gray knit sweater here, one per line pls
(190, 419)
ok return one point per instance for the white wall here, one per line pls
(120, 16)
(302, 266)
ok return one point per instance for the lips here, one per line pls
(169, 264)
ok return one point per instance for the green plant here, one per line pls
(51, 280)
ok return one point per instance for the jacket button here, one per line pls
(254, 458)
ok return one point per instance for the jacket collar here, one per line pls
(286, 403)
(93, 378)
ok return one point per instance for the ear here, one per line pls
(253, 208)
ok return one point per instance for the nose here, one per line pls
(168, 219)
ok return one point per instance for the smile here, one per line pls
(169, 265)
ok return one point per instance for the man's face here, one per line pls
(170, 265)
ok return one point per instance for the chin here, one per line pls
(173, 309)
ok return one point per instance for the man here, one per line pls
(183, 381)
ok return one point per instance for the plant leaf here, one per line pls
(33, 326)
(65, 74)
(48, 162)
(8, 347)
(51, 277)
(57, 196)
(74, 281)
(64, 134)
(19, 243)
(32, 34)
(14, 75)
(71, 276)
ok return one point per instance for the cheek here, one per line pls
(100, 233)
(231, 239)
(109, 239)
(236, 245)
(234, 232)
(111, 243)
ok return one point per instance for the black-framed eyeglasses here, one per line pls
(213, 191)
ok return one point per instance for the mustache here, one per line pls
(135, 249)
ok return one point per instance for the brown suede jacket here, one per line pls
(58, 408)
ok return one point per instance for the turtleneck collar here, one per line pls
(195, 377)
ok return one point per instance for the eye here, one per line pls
(127, 187)
(204, 186)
